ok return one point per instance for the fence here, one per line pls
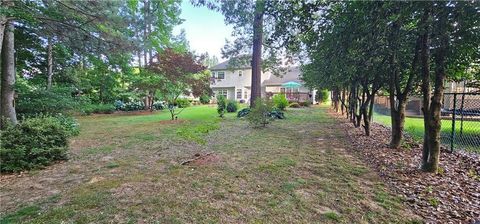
(460, 116)
(461, 121)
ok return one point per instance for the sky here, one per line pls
(205, 29)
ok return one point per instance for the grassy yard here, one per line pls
(127, 169)
(469, 139)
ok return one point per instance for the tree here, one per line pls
(179, 73)
(208, 60)
(450, 40)
(7, 99)
(251, 21)
(403, 43)
(350, 47)
(257, 52)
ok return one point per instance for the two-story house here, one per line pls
(234, 83)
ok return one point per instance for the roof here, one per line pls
(292, 75)
(224, 66)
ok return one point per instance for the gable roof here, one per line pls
(292, 75)
(224, 66)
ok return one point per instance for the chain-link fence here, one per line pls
(461, 121)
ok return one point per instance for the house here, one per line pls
(235, 83)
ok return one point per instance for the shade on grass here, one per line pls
(414, 127)
(193, 113)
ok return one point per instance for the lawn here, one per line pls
(127, 169)
(468, 140)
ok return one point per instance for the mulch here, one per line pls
(451, 196)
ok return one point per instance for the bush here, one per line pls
(221, 105)
(260, 114)
(232, 106)
(134, 106)
(182, 103)
(277, 113)
(98, 109)
(69, 124)
(158, 105)
(280, 101)
(322, 95)
(40, 101)
(305, 103)
(243, 112)
(205, 99)
(294, 105)
(33, 143)
(119, 105)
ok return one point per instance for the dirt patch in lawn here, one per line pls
(172, 121)
(201, 160)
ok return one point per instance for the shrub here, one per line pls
(204, 99)
(243, 112)
(33, 143)
(221, 105)
(158, 105)
(260, 114)
(69, 124)
(277, 113)
(98, 109)
(119, 105)
(182, 103)
(322, 95)
(294, 105)
(232, 106)
(305, 103)
(40, 101)
(280, 101)
(134, 106)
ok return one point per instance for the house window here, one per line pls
(245, 94)
(214, 74)
(220, 75)
(239, 93)
(222, 92)
(240, 73)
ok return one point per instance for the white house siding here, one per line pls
(234, 81)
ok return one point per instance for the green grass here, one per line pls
(414, 126)
(126, 168)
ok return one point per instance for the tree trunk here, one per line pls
(49, 64)
(147, 100)
(367, 107)
(257, 52)
(425, 63)
(3, 23)
(343, 106)
(398, 106)
(145, 33)
(433, 117)
(7, 100)
(397, 115)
